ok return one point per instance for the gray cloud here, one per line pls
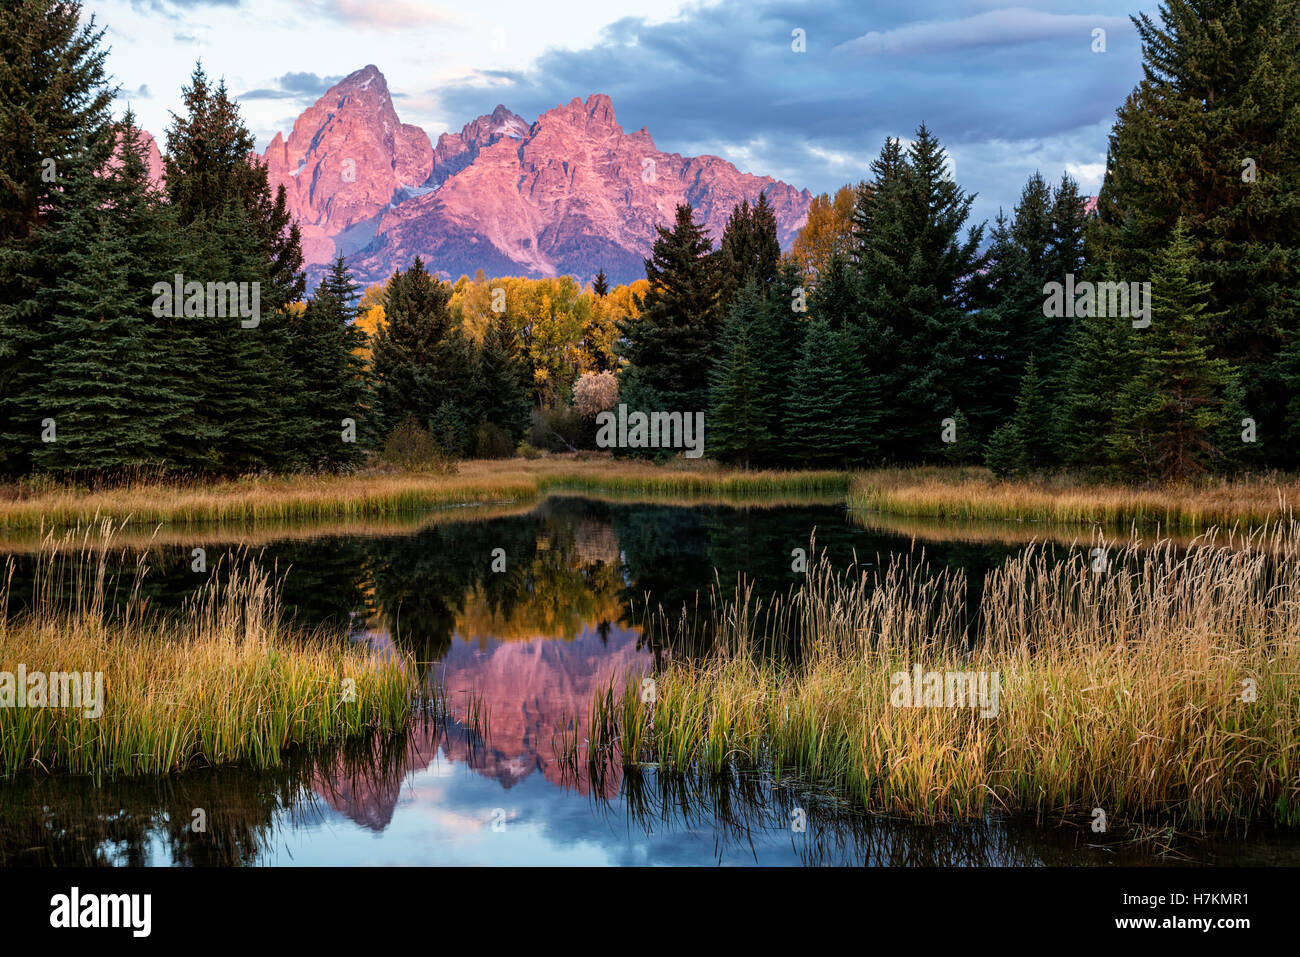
(294, 86)
(176, 8)
(1003, 87)
(1006, 27)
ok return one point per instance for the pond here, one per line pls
(518, 614)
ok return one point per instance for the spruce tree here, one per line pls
(333, 382)
(502, 399)
(887, 168)
(98, 341)
(916, 275)
(827, 424)
(1168, 416)
(600, 285)
(422, 360)
(836, 300)
(1022, 444)
(1210, 137)
(1005, 330)
(55, 124)
(778, 336)
(1102, 362)
(740, 401)
(674, 341)
(748, 251)
(237, 233)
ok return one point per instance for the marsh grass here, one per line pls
(971, 494)
(225, 680)
(377, 494)
(1122, 690)
(962, 494)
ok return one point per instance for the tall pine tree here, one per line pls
(671, 346)
(1210, 137)
(1170, 414)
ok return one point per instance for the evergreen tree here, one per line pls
(1022, 444)
(1210, 137)
(1169, 415)
(916, 272)
(54, 125)
(827, 425)
(1068, 229)
(886, 169)
(54, 105)
(98, 341)
(502, 399)
(1004, 453)
(332, 376)
(778, 335)
(1005, 330)
(836, 299)
(1237, 438)
(245, 386)
(600, 286)
(964, 448)
(748, 251)
(422, 361)
(674, 341)
(740, 402)
(449, 429)
(1102, 362)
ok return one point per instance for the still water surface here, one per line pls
(527, 648)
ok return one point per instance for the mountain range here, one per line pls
(569, 193)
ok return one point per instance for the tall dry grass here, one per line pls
(973, 494)
(225, 680)
(1125, 690)
(369, 495)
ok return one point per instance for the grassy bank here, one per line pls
(940, 494)
(1124, 690)
(223, 681)
(377, 494)
(973, 494)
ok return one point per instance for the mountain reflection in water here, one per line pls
(518, 656)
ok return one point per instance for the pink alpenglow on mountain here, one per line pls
(347, 159)
(567, 194)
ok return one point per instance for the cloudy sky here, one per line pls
(1007, 88)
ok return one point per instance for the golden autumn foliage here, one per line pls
(563, 329)
(829, 230)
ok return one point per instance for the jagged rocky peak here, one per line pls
(557, 195)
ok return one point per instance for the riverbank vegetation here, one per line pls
(952, 494)
(1157, 686)
(225, 681)
(963, 494)
(380, 493)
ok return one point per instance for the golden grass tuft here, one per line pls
(1122, 690)
(369, 495)
(973, 494)
(223, 681)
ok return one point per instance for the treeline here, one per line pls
(895, 331)
(148, 330)
(888, 336)
(102, 367)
